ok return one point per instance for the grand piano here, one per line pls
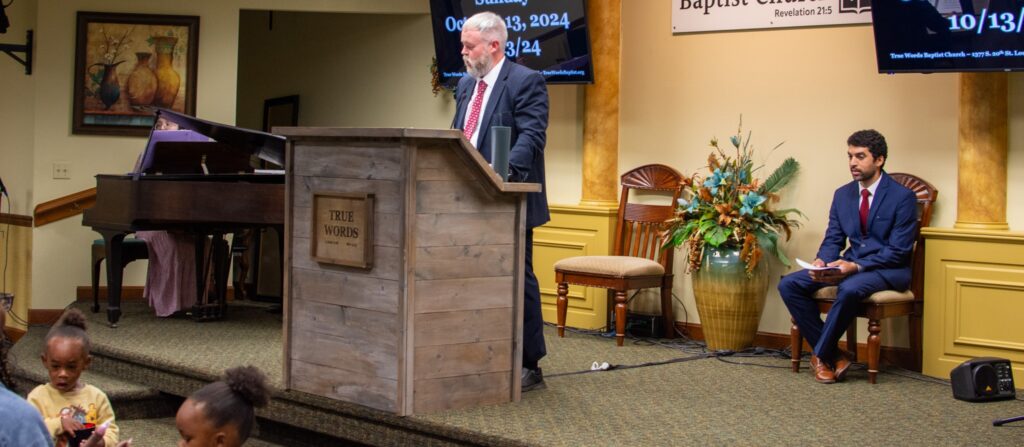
(204, 188)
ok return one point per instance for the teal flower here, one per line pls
(735, 139)
(717, 179)
(749, 202)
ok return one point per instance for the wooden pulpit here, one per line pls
(404, 278)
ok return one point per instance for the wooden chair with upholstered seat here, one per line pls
(639, 261)
(887, 303)
(132, 249)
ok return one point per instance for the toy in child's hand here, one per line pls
(81, 435)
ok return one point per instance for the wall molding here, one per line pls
(17, 220)
(44, 316)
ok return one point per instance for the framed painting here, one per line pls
(126, 65)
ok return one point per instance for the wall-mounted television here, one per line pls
(924, 36)
(549, 36)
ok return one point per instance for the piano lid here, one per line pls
(266, 146)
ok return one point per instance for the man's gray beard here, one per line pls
(479, 70)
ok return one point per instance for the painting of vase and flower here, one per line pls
(127, 65)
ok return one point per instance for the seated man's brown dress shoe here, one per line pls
(822, 372)
(842, 365)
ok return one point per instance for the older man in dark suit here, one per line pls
(875, 220)
(499, 92)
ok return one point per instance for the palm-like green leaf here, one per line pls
(781, 176)
(770, 242)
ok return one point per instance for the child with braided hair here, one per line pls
(223, 413)
(64, 400)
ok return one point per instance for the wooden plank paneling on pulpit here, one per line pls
(434, 322)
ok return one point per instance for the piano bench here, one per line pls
(131, 249)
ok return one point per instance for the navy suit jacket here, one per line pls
(892, 230)
(519, 100)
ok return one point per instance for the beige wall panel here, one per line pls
(433, 362)
(442, 230)
(365, 357)
(444, 295)
(357, 325)
(345, 289)
(469, 261)
(974, 296)
(459, 392)
(370, 160)
(981, 307)
(987, 311)
(447, 328)
(385, 261)
(574, 231)
(372, 391)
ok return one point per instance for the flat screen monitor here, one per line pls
(924, 36)
(549, 36)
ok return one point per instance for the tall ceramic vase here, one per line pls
(141, 86)
(109, 90)
(168, 80)
(729, 302)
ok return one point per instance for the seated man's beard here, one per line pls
(479, 68)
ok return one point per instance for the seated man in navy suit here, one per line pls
(499, 92)
(875, 220)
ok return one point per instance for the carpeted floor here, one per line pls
(703, 401)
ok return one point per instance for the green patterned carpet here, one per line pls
(704, 401)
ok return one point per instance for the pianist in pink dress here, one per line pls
(171, 277)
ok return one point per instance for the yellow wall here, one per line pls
(16, 105)
(809, 87)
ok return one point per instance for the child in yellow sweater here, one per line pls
(66, 404)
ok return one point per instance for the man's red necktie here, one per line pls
(474, 110)
(864, 211)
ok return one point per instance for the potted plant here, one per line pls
(728, 224)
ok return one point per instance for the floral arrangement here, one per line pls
(731, 208)
(113, 45)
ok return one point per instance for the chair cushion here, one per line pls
(618, 266)
(880, 297)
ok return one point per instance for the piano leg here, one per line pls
(112, 241)
(211, 277)
(222, 260)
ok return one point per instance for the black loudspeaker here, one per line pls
(982, 379)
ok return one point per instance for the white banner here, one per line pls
(689, 16)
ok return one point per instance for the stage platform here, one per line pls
(148, 363)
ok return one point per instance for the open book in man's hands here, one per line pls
(809, 266)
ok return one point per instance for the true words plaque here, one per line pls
(343, 229)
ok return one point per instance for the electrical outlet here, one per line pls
(62, 170)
